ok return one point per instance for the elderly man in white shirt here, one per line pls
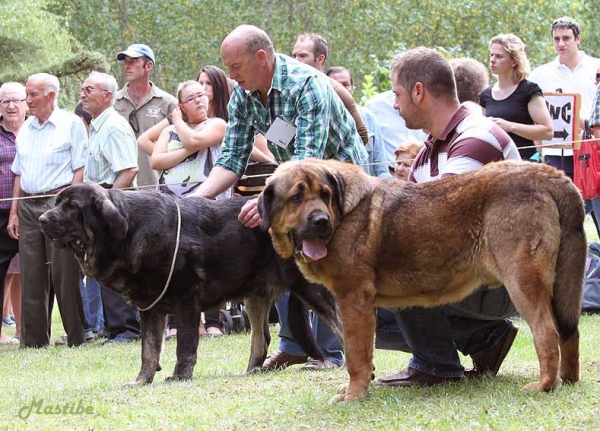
(50, 148)
(111, 160)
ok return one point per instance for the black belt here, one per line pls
(45, 194)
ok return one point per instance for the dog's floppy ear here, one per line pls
(338, 188)
(265, 202)
(112, 217)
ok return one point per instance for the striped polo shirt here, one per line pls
(468, 142)
(112, 148)
(48, 154)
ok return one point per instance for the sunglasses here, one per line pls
(133, 121)
(568, 23)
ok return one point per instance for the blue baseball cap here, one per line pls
(135, 51)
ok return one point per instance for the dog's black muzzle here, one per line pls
(319, 226)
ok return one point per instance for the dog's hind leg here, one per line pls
(188, 320)
(152, 325)
(258, 314)
(357, 306)
(530, 290)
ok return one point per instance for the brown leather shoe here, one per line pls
(488, 362)
(280, 360)
(411, 377)
(316, 365)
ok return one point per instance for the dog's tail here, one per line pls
(570, 265)
(570, 274)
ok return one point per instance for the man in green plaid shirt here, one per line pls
(274, 87)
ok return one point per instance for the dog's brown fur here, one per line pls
(397, 244)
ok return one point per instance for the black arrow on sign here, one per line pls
(564, 134)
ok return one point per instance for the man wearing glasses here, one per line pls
(111, 161)
(141, 102)
(49, 157)
(111, 156)
(12, 117)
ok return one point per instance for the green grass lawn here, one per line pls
(221, 397)
(590, 229)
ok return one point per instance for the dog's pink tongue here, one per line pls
(314, 248)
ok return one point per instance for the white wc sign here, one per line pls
(564, 111)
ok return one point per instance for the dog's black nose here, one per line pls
(320, 225)
(320, 221)
(43, 219)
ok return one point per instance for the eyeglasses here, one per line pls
(89, 89)
(133, 121)
(568, 23)
(193, 98)
(15, 102)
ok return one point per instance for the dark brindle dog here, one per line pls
(127, 240)
(397, 244)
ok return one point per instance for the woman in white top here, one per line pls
(186, 150)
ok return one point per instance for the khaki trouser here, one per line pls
(46, 271)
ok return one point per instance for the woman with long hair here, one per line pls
(514, 103)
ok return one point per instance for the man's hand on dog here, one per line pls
(249, 214)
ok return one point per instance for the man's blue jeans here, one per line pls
(91, 296)
(435, 335)
(326, 339)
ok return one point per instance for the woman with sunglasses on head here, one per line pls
(514, 103)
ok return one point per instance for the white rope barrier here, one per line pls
(565, 144)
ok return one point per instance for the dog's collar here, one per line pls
(172, 263)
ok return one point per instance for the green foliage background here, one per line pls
(39, 35)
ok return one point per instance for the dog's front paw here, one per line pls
(137, 382)
(254, 370)
(349, 392)
(342, 388)
(348, 397)
(177, 378)
(541, 387)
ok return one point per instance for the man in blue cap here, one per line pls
(141, 102)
